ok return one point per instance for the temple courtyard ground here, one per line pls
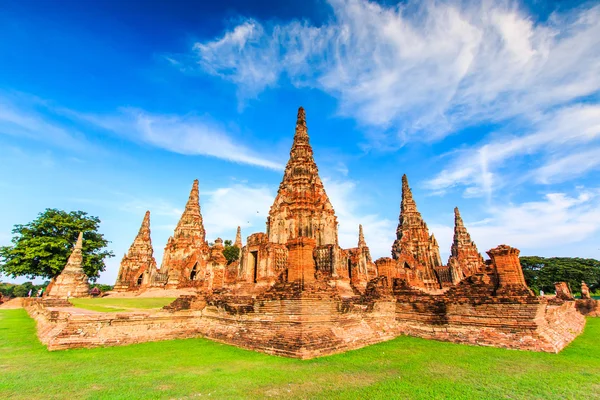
(198, 368)
(111, 304)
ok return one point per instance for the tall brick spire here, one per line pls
(464, 256)
(361, 237)
(138, 261)
(187, 244)
(191, 224)
(75, 261)
(412, 233)
(413, 241)
(238, 238)
(302, 208)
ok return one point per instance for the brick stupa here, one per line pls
(72, 281)
(138, 265)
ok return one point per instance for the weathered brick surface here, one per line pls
(72, 281)
(138, 265)
(588, 307)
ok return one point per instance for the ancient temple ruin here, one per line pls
(72, 281)
(294, 291)
(138, 265)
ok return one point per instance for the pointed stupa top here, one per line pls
(463, 251)
(238, 238)
(433, 240)
(412, 234)
(191, 224)
(461, 236)
(408, 203)
(79, 243)
(302, 208)
(301, 135)
(142, 242)
(361, 237)
(457, 218)
(75, 261)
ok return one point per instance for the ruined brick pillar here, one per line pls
(585, 291)
(301, 263)
(562, 291)
(511, 280)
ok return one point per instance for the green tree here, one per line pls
(542, 273)
(41, 248)
(230, 252)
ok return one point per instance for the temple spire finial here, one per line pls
(79, 244)
(361, 237)
(301, 128)
(238, 238)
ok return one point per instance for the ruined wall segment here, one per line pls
(138, 265)
(511, 281)
(72, 281)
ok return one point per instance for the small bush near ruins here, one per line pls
(403, 368)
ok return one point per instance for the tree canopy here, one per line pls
(542, 273)
(41, 248)
(230, 252)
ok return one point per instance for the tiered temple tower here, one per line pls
(414, 248)
(302, 208)
(138, 265)
(187, 251)
(72, 281)
(301, 242)
(465, 260)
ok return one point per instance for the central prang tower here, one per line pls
(302, 208)
(301, 242)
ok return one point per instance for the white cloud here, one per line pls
(430, 66)
(27, 116)
(548, 227)
(20, 116)
(560, 140)
(560, 169)
(224, 209)
(379, 232)
(188, 134)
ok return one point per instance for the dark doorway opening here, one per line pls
(349, 269)
(194, 272)
(254, 261)
(140, 279)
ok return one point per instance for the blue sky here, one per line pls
(116, 107)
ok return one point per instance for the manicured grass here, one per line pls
(108, 304)
(198, 368)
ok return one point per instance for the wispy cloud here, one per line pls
(351, 211)
(23, 116)
(546, 227)
(226, 208)
(559, 140)
(428, 67)
(27, 116)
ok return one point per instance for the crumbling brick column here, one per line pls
(562, 291)
(511, 280)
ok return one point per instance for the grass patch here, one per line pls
(402, 368)
(107, 304)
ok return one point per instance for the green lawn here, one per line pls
(108, 304)
(198, 368)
